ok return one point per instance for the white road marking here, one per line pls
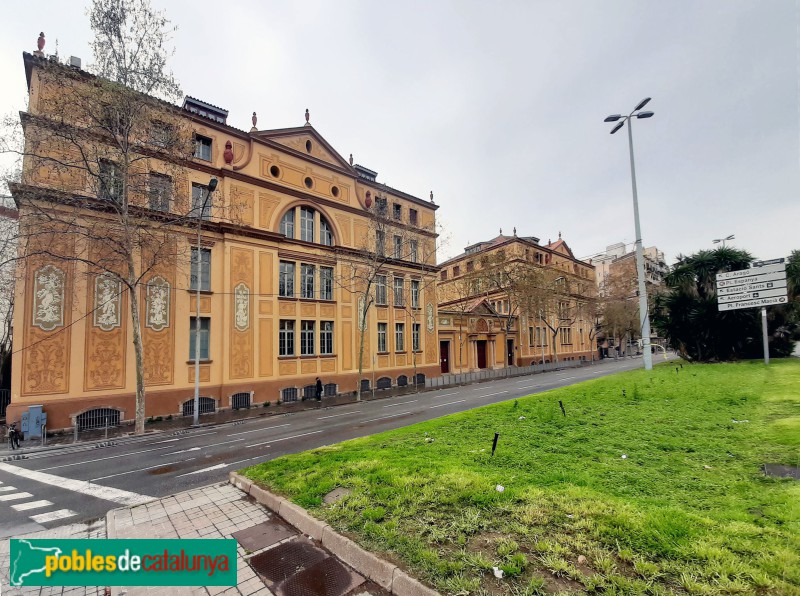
(313, 432)
(181, 451)
(448, 403)
(89, 461)
(257, 430)
(142, 469)
(52, 516)
(335, 415)
(15, 496)
(446, 394)
(267, 443)
(167, 441)
(384, 417)
(490, 394)
(236, 440)
(244, 460)
(31, 505)
(217, 467)
(123, 497)
(402, 404)
(5, 489)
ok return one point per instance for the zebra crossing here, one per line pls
(11, 493)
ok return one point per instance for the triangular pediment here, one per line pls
(305, 140)
(560, 247)
(482, 307)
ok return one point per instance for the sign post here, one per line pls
(760, 286)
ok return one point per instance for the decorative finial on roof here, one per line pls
(40, 46)
(255, 121)
(559, 234)
(351, 159)
(431, 196)
(501, 231)
(515, 230)
(307, 116)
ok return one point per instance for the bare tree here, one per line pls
(104, 185)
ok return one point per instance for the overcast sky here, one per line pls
(498, 107)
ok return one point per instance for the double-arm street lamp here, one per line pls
(198, 263)
(723, 240)
(644, 317)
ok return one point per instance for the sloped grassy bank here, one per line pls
(652, 483)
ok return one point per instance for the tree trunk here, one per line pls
(362, 328)
(138, 350)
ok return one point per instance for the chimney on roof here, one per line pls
(75, 62)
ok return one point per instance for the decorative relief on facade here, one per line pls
(158, 297)
(344, 228)
(158, 356)
(44, 368)
(482, 326)
(429, 321)
(267, 205)
(242, 200)
(241, 295)
(48, 298)
(106, 364)
(444, 321)
(107, 302)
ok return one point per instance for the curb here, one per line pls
(383, 573)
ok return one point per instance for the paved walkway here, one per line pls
(287, 561)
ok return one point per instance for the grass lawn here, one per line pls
(652, 483)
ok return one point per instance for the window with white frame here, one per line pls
(160, 192)
(201, 266)
(306, 224)
(110, 180)
(415, 328)
(286, 338)
(286, 280)
(326, 337)
(413, 251)
(205, 337)
(307, 273)
(398, 247)
(201, 200)
(202, 147)
(566, 336)
(399, 291)
(399, 337)
(382, 337)
(287, 223)
(307, 338)
(414, 293)
(326, 283)
(380, 290)
(380, 243)
(325, 233)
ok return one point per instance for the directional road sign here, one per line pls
(755, 287)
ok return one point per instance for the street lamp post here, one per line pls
(212, 186)
(723, 240)
(644, 317)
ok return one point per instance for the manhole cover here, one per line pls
(283, 561)
(781, 471)
(327, 578)
(335, 495)
(264, 534)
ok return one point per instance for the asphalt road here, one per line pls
(79, 483)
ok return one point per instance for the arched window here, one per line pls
(287, 224)
(325, 232)
(306, 224)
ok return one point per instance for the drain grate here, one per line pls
(327, 578)
(283, 561)
(264, 534)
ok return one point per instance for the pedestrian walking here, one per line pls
(319, 389)
(13, 436)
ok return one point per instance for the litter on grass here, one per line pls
(498, 573)
(500, 488)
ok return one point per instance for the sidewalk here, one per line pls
(273, 557)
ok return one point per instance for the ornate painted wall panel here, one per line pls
(265, 347)
(158, 326)
(242, 203)
(266, 208)
(105, 333)
(241, 365)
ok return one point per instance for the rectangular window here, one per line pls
(456, 270)
(201, 200)
(110, 181)
(399, 291)
(415, 336)
(566, 336)
(286, 338)
(307, 338)
(380, 290)
(326, 337)
(470, 266)
(160, 192)
(380, 243)
(414, 293)
(412, 217)
(412, 249)
(202, 147)
(205, 330)
(326, 283)
(306, 224)
(531, 337)
(287, 223)
(325, 233)
(286, 280)
(399, 337)
(398, 247)
(380, 205)
(204, 270)
(307, 273)
(162, 134)
(397, 211)
(443, 274)
(382, 337)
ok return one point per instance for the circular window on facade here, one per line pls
(335, 191)
(309, 182)
(275, 171)
(308, 146)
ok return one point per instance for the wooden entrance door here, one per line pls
(444, 355)
(481, 345)
(510, 351)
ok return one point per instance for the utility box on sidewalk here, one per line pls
(32, 422)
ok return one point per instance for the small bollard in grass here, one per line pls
(494, 443)
(623, 393)
(563, 411)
